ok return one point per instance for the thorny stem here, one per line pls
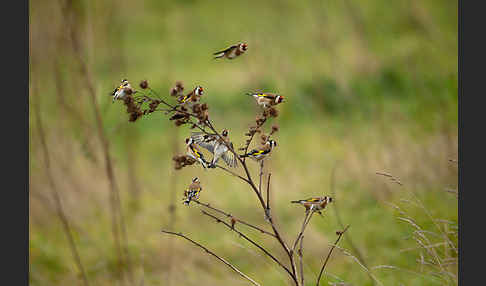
(249, 240)
(329, 254)
(237, 219)
(213, 254)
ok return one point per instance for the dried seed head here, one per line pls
(173, 92)
(180, 122)
(204, 106)
(179, 86)
(275, 128)
(272, 112)
(196, 108)
(144, 84)
(128, 90)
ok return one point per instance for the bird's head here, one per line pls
(279, 99)
(199, 90)
(195, 180)
(188, 141)
(272, 143)
(225, 132)
(243, 47)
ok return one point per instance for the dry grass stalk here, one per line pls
(340, 234)
(57, 200)
(118, 223)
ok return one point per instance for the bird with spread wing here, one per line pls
(216, 145)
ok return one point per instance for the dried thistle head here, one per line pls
(179, 86)
(144, 84)
(196, 108)
(264, 138)
(182, 160)
(180, 122)
(173, 92)
(270, 112)
(135, 115)
(260, 120)
(128, 90)
(275, 129)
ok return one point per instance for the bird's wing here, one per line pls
(224, 51)
(230, 158)
(313, 200)
(269, 96)
(207, 141)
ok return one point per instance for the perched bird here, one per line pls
(232, 52)
(266, 100)
(192, 192)
(262, 152)
(314, 204)
(121, 91)
(191, 98)
(216, 145)
(194, 152)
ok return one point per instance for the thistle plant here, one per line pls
(190, 111)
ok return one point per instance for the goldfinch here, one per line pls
(314, 204)
(194, 152)
(232, 52)
(191, 98)
(216, 145)
(192, 192)
(267, 100)
(121, 91)
(262, 152)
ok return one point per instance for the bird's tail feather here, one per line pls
(295, 202)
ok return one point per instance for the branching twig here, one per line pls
(340, 233)
(249, 240)
(308, 216)
(215, 255)
(237, 219)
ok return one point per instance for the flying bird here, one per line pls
(232, 52)
(216, 145)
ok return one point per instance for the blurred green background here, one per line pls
(370, 87)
